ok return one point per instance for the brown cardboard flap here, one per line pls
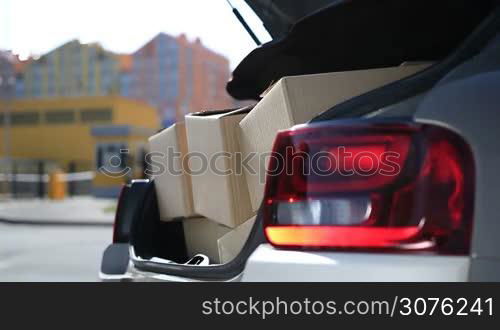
(229, 112)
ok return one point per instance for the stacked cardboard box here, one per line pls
(220, 192)
(230, 244)
(202, 236)
(296, 100)
(220, 243)
(171, 174)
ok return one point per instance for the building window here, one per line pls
(111, 157)
(96, 115)
(19, 86)
(25, 118)
(60, 117)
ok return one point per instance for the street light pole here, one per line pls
(7, 123)
(9, 82)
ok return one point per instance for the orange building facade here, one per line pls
(204, 75)
(178, 76)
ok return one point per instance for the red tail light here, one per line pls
(369, 185)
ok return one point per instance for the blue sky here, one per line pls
(37, 26)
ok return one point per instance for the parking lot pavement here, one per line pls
(78, 210)
(52, 253)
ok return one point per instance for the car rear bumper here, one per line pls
(135, 275)
(117, 266)
(268, 264)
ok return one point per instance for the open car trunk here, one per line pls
(353, 35)
(278, 16)
(160, 247)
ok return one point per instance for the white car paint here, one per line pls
(268, 264)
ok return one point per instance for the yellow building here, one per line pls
(104, 134)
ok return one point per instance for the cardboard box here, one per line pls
(220, 193)
(230, 245)
(296, 100)
(173, 185)
(201, 236)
